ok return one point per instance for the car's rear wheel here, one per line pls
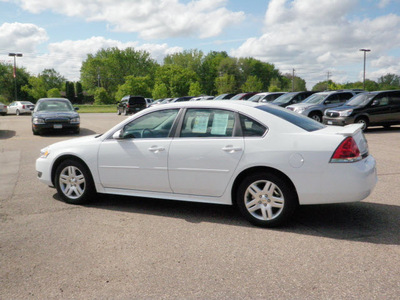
(74, 182)
(364, 122)
(316, 116)
(266, 200)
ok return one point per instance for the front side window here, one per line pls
(157, 124)
(208, 123)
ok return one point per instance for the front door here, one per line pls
(138, 159)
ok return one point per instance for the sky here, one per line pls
(319, 39)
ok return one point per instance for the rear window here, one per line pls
(299, 120)
(137, 100)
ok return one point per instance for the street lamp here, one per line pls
(15, 70)
(365, 57)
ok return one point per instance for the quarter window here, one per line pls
(208, 123)
(251, 127)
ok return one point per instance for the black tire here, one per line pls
(316, 116)
(74, 182)
(35, 132)
(266, 208)
(364, 122)
(17, 112)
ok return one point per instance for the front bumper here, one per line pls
(56, 126)
(339, 121)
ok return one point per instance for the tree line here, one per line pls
(112, 73)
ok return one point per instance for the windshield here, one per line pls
(256, 98)
(220, 96)
(237, 97)
(360, 99)
(285, 98)
(315, 99)
(54, 106)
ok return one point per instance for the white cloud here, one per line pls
(66, 57)
(150, 18)
(18, 37)
(316, 36)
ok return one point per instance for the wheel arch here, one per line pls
(62, 158)
(260, 169)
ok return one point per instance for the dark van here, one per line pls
(380, 108)
(131, 104)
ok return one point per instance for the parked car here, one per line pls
(381, 108)
(20, 107)
(3, 109)
(266, 96)
(222, 152)
(55, 114)
(291, 98)
(132, 104)
(224, 96)
(315, 105)
(202, 98)
(242, 96)
(181, 99)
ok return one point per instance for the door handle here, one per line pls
(156, 149)
(231, 149)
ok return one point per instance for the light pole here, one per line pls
(15, 70)
(365, 57)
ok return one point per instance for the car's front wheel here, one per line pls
(74, 182)
(316, 116)
(364, 123)
(266, 200)
(17, 112)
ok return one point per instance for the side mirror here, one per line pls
(76, 108)
(117, 135)
(328, 102)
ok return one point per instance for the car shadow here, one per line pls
(361, 221)
(51, 133)
(376, 130)
(6, 134)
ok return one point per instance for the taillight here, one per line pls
(23, 106)
(346, 152)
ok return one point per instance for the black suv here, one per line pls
(380, 108)
(131, 104)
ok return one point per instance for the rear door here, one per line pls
(205, 155)
(394, 102)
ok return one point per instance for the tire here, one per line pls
(35, 132)
(266, 208)
(74, 182)
(125, 112)
(17, 112)
(364, 122)
(118, 112)
(316, 116)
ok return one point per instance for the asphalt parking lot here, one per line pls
(126, 248)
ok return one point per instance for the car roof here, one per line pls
(53, 99)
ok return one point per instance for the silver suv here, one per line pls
(315, 105)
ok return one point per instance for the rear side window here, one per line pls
(299, 120)
(395, 98)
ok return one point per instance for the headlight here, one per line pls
(44, 152)
(75, 120)
(37, 120)
(299, 110)
(345, 113)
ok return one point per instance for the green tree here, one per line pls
(52, 79)
(225, 84)
(79, 92)
(275, 85)
(135, 86)
(70, 91)
(160, 91)
(188, 59)
(54, 93)
(252, 84)
(8, 83)
(101, 97)
(209, 71)
(177, 79)
(36, 88)
(195, 89)
(108, 68)
(265, 72)
(389, 82)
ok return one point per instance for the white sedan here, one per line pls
(264, 158)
